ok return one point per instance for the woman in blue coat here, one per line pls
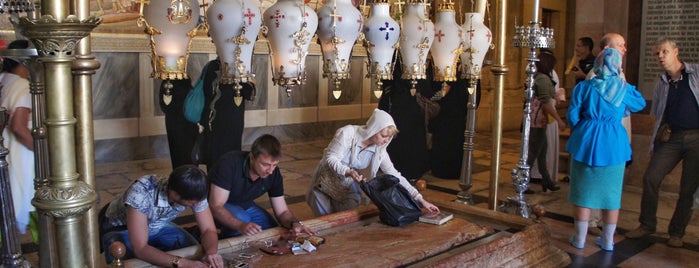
(599, 146)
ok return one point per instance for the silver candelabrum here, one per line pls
(11, 248)
(533, 37)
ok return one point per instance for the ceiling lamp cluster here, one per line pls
(289, 26)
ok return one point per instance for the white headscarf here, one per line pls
(377, 122)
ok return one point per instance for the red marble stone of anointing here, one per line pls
(374, 244)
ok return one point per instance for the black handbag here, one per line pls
(396, 206)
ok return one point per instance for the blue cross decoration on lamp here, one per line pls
(381, 33)
(387, 29)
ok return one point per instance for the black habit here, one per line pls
(180, 132)
(224, 124)
(447, 130)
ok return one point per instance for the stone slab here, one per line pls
(379, 245)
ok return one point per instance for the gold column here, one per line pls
(64, 197)
(84, 68)
(499, 69)
(47, 245)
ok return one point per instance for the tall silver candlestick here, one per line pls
(533, 37)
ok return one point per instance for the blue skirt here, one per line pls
(596, 187)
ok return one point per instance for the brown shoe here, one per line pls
(639, 232)
(675, 242)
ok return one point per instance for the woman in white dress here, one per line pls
(16, 99)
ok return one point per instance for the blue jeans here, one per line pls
(254, 214)
(681, 146)
(170, 237)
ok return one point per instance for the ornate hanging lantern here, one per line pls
(477, 40)
(417, 35)
(289, 27)
(234, 25)
(448, 43)
(171, 25)
(339, 25)
(381, 33)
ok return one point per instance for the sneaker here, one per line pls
(639, 232)
(675, 242)
(594, 230)
(575, 243)
(605, 247)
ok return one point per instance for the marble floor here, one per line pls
(299, 161)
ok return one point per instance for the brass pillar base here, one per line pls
(464, 197)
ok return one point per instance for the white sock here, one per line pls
(580, 231)
(608, 234)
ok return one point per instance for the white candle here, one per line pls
(536, 11)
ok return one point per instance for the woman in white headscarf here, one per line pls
(356, 153)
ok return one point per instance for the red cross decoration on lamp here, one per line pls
(439, 35)
(249, 15)
(276, 17)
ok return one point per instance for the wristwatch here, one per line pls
(175, 261)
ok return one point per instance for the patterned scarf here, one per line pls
(608, 81)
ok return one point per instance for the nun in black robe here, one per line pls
(408, 149)
(222, 119)
(180, 132)
(447, 128)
